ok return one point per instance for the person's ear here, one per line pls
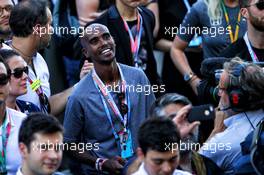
(85, 53)
(140, 153)
(39, 30)
(244, 12)
(23, 150)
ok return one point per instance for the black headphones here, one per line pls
(237, 96)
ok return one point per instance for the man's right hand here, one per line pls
(114, 165)
(184, 127)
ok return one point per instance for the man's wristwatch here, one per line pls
(187, 77)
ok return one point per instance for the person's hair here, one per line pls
(37, 123)
(157, 108)
(25, 15)
(214, 9)
(244, 3)
(155, 133)
(2, 60)
(7, 54)
(250, 80)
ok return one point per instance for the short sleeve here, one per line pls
(190, 23)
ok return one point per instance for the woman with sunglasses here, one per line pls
(18, 82)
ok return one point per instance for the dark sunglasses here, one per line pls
(7, 8)
(4, 78)
(123, 106)
(259, 5)
(18, 72)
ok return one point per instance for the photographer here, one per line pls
(241, 90)
(211, 70)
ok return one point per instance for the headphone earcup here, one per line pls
(237, 99)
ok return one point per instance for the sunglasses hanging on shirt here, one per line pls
(123, 106)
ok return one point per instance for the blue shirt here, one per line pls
(224, 148)
(27, 107)
(86, 120)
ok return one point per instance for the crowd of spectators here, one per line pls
(81, 92)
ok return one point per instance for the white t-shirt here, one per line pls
(4, 46)
(13, 157)
(142, 171)
(42, 72)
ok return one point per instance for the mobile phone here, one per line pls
(201, 113)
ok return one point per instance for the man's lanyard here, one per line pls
(107, 98)
(6, 130)
(36, 86)
(187, 5)
(135, 42)
(233, 38)
(250, 49)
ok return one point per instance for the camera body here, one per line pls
(211, 70)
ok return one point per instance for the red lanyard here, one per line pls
(39, 90)
(109, 99)
(44, 104)
(135, 42)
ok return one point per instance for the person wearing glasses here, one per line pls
(5, 32)
(28, 38)
(10, 121)
(106, 108)
(250, 47)
(241, 88)
(18, 82)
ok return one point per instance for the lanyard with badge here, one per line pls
(43, 99)
(233, 38)
(123, 134)
(135, 42)
(6, 130)
(250, 49)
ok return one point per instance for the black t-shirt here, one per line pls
(171, 13)
(239, 48)
(143, 52)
